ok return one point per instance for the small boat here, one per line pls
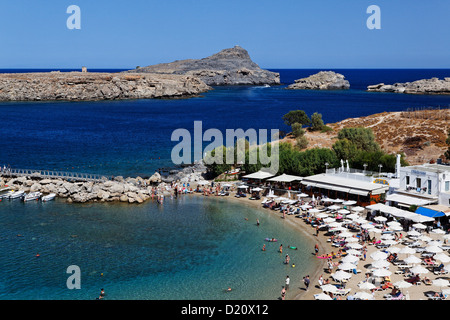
(48, 197)
(16, 194)
(271, 239)
(32, 196)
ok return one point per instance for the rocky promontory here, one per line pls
(324, 80)
(424, 86)
(231, 66)
(87, 86)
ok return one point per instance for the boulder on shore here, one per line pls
(424, 86)
(324, 80)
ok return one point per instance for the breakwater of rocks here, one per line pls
(118, 189)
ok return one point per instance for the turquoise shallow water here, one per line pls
(189, 248)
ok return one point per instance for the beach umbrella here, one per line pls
(381, 272)
(433, 249)
(353, 252)
(351, 239)
(329, 288)
(334, 207)
(387, 236)
(441, 282)
(402, 284)
(338, 200)
(343, 211)
(357, 209)
(366, 286)
(367, 226)
(353, 216)
(349, 203)
(389, 242)
(363, 296)
(442, 257)
(322, 215)
(380, 264)
(329, 220)
(393, 223)
(350, 259)
(305, 206)
(322, 296)
(407, 250)
(419, 226)
(346, 234)
(424, 238)
(347, 266)
(438, 231)
(302, 195)
(341, 275)
(396, 228)
(203, 182)
(379, 255)
(413, 233)
(354, 246)
(380, 218)
(393, 249)
(412, 260)
(419, 269)
(257, 189)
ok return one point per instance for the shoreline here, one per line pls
(299, 293)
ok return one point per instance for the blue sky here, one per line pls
(277, 34)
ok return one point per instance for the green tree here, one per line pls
(345, 149)
(362, 138)
(302, 142)
(316, 122)
(296, 116)
(297, 130)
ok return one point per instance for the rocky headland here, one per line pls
(87, 86)
(231, 66)
(324, 80)
(424, 86)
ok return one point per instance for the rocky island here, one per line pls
(424, 86)
(231, 66)
(324, 80)
(87, 86)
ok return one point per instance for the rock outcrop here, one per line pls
(228, 67)
(129, 190)
(84, 86)
(324, 80)
(424, 86)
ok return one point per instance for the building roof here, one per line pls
(429, 212)
(285, 178)
(408, 200)
(434, 168)
(258, 175)
(338, 183)
(399, 213)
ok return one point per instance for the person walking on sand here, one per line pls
(288, 280)
(283, 293)
(316, 249)
(306, 282)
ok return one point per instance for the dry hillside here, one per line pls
(419, 134)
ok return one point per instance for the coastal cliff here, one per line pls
(324, 80)
(231, 66)
(424, 86)
(84, 86)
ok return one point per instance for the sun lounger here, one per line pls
(399, 297)
(433, 297)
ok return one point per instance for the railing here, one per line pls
(47, 174)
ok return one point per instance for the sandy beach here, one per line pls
(297, 289)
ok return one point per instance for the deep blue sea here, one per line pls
(190, 248)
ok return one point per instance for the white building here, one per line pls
(423, 184)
